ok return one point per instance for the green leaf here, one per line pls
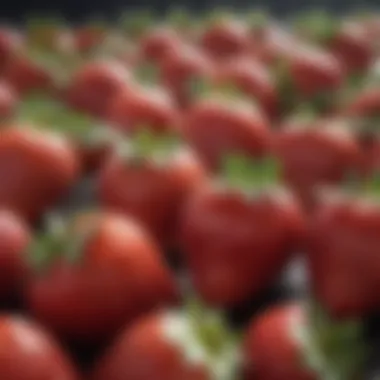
(136, 23)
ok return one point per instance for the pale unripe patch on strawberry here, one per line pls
(199, 345)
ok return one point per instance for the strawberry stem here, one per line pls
(335, 350)
(246, 173)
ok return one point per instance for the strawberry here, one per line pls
(300, 342)
(225, 37)
(176, 344)
(8, 100)
(158, 42)
(152, 180)
(238, 235)
(29, 352)
(39, 167)
(143, 107)
(221, 123)
(180, 67)
(94, 85)
(315, 153)
(252, 78)
(341, 252)
(96, 273)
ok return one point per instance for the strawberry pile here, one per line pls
(215, 152)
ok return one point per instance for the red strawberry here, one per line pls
(225, 38)
(159, 42)
(180, 67)
(309, 74)
(27, 74)
(28, 352)
(97, 273)
(236, 239)
(39, 167)
(253, 79)
(15, 237)
(152, 183)
(95, 84)
(352, 47)
(176, 345)
(10, 42)
(317, 153)
(143, 107)
(300, 342)
(218, 124)
(88, 37)
(342, 250)
(273, 351)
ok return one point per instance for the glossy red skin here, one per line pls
(342, 256)
(253, 79)
(10, 42)
(28, 352)
(8, 100)
(40, 167)
(179, 67)
(95, 85)
(15, 237)
(26, 75)
(158, 43)
(235, 245)
(226, 39)
(218, 126)
(143, 107)
(120, 277)
(154, 194)
(271, 351)
(352, 47)
(314, 71)
(139, 345)
(322, 153)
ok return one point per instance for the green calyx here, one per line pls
(220, 344)
(248, 174)
(257, 19)
(335, 350)
(134, 24)
(318, 25)
(146, 145)
(47, 113)
(58, 242)
(147, 74)
(199, 88)
(180, 18)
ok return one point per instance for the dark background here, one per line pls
(77, 10)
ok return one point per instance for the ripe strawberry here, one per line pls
(28, 352)
(252, 78)
(300, 342)
(98, 272)
(176, 345)
(159, 42)
(341, 252)
(152, 182)
(316, 153)
(218, 124)
(39, 167)
(94, 85)
(225, 38)
(143, 107)
(237, 236)
(180, 67)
